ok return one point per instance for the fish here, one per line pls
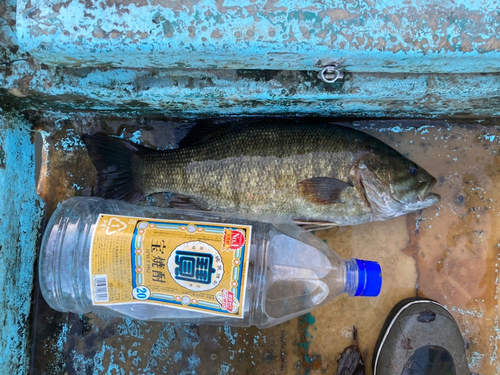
(314, 172)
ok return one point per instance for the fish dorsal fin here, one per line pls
(202, 132)
(322, 190)
(206, 129)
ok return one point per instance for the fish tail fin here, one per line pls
(114, 160)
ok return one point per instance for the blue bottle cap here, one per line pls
(369, 278)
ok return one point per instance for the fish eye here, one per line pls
(413, 169)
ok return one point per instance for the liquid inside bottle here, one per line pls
(284, 272)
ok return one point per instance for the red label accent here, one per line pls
(227, 300)
(233, 239)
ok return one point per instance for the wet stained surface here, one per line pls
(449, 252)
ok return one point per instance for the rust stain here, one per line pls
(305, 32)
(308, 362)
(339, 15)
(413, 247)
(216, 34)
(57, 7)
(493, 256)
(291, 36)
(381, 44)
(271, 7)
(466, 45)
(491, 44)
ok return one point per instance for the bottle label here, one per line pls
(186, 265)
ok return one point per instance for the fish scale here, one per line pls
(316, 171)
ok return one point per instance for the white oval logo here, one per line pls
(196, 265)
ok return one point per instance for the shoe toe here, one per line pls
(415, 324)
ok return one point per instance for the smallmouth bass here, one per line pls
(311, 172)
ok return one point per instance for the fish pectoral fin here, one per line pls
(184, 202)
(322, 190)
(315, 225)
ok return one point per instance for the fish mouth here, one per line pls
(424, 192)
(425, 197)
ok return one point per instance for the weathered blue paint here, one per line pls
(229, 92)
(423, 36)
(20, 216)
(220, 92)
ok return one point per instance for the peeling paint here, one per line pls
(390, 85)
(186, 93)
(370, 36)
(20, 217)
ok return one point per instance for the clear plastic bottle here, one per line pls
(289, 270)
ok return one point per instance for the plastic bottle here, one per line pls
(272, 270)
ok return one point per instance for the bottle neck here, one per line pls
(351, 277)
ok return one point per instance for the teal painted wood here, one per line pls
(215, 92)
(211, 93)
(20, 216)
(417, 36)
